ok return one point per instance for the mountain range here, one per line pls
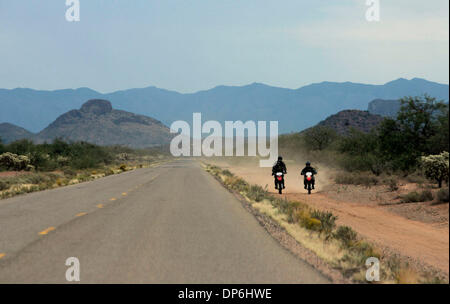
(344, 121)
(295, 109)
(98, 123)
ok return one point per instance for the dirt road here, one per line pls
(420, 241)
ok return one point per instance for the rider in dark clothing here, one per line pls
(307, 169)
(279, 167)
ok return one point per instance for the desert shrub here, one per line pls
(282, 204)
(69, 172)
(364, 250)
(293, 211)
(436, 167)
(3, 185)
(311, 223)
(319, 137)
(346, 178)
(392, 184)
(236, 183)
(426, 195)
(48, 157)
(415, 178)
(34, 179)
(346, 235)
(442, 195)
(415, 197)
(256, 193)
(60, 182)
(227, 173)
(11, 161)
(123, 167)
(327, 221)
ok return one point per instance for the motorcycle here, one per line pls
(279, 181)
(309, 180)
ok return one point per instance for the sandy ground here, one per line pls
(419, 232)
(13, 173)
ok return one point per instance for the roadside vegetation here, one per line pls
(339, 246)
(27, 167)
(412, 146)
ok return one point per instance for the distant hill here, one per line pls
(344, 121)
(98, 123)
(10, 133)
(294, 109)
(386, 108)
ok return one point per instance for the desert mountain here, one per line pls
(386, 108)
(10, 133)
(294, 109)
(97, 122)
(344, 121)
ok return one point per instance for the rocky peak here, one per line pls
(96, 106)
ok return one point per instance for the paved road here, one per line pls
(169, 224)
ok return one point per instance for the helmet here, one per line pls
(308, 163)
(280, 158)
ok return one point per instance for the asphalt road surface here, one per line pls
(169, 224)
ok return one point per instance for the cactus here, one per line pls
(436, 167)
(11, 161)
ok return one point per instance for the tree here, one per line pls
(418, 118)
(319, 138)
(404, 140)
(436, 167)
(362, 152)
(440, 141)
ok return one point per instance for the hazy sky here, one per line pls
(195, 45)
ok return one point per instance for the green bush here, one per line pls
(282, 204)
(416, 197)
(3, 185)
(311, 224)
(346, 235)
(292, 211)
(392, 184)
(256, 193)
(48, 157)
(327, 221)
(364, 250)
(227, 173)
(346, 178)
(443, 195)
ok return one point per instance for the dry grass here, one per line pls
(26, 183)
(341, 247)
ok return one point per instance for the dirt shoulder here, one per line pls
(423, 241)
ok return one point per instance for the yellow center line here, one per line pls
(112, 199)
(2, 255)
(100, 206)
(124, 193)
(46, 231)
(81, 214)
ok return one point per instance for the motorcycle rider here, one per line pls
(279, 167)
(307, 169)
